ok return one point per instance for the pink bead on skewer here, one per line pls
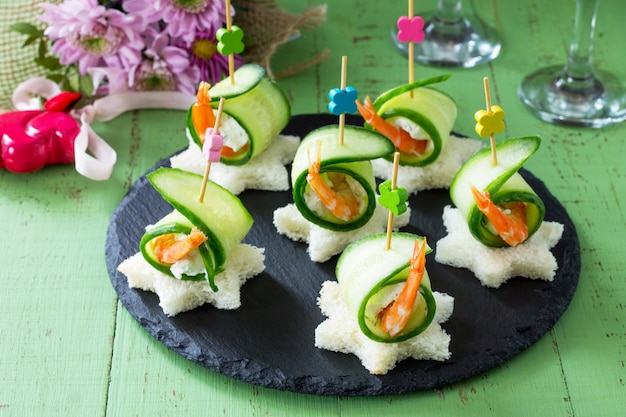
(212, 147)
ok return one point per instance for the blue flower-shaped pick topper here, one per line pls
(393, 199)
(342, 101)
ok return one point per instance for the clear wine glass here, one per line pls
(576, 94)
(453, 39)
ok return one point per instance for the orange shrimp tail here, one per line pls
(482, 199)
(367, 110)
(169, 250)
(202, 114)
(344, 206)
(399, 137)
(396, 315)
(203, 97)
(510, 223)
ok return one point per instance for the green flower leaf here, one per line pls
(26, 29)
(56, 77)
(42, 49)
(86, 85)
(31, 40)
(49, 62)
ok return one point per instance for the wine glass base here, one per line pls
(466, 43)
(601, 102)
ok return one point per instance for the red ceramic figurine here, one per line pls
(33, 139)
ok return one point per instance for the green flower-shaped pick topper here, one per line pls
(230, 41)
(393, 199)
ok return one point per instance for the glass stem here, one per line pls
(449, 12)
(578, 69)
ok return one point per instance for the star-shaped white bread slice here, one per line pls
(266, 171)
(437, 175)
(176, 296)
(494, 266)
(324, 243)
(340, 332)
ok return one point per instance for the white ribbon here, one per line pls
(93, 157)
(23, 95)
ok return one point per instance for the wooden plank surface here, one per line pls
(68, 348)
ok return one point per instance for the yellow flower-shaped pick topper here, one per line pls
(489, 122)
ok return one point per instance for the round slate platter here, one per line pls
(269, 340)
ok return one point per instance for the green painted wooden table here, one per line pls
(69, 348)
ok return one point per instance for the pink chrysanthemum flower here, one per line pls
(164, 68)
(83, 31)
(212, 65)
(183, 17)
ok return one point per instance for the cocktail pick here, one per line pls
(490, 121)
(342, 100)
(212, 147)
(230, 42)
(392, 198)
(411, 31)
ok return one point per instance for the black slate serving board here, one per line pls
(269, 340)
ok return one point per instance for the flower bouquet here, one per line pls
(152, 45)
(127, 54)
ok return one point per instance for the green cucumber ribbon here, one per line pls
(370, 276)
(350, 158)
(221, 217)
(256, 104)
(176, 223)
(504, 184)
(431, 111)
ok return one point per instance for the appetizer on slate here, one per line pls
(255, 112)
(193, 255)
(500, 207)
(333, 184)
(501, 233)
(334, 191)
(382, 307)
(418, 120)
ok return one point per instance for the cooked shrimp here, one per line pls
(400, 138)
(169, 248)
(397, 314)
(202, 114)
(508, 219)
(337, 196)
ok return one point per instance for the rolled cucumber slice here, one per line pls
(352, 159)
(502, 181)
(176, 223)
(429, 112)
(220, 216)
(370, 278)
(256, 104)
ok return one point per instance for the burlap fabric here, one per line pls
(263, 21)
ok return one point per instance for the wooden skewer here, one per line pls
(231, 57)
(492, 137)
(394, 176)
(344, 77)
(216, 131)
